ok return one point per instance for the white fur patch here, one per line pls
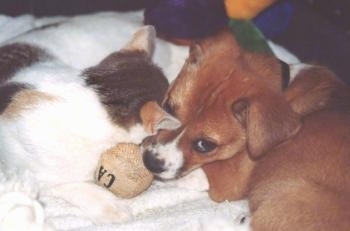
(172, 156)
(19, 207)
(296, 68)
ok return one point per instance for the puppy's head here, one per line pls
(227, 101)
(211, 62)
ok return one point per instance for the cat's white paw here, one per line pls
(19, 211)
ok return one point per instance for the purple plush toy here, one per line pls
(185, 20)
(182, 21)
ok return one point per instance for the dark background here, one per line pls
(319, 31)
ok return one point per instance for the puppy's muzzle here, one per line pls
(163, 159)
(151, 159)
(152, 163)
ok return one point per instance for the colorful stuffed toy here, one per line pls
(255, 21)
(246, 9)
(275, 19)
(182, 21)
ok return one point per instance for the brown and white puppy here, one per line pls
(287, 152)
(213, 66)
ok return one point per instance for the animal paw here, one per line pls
(19, 211)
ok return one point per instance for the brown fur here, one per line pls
(25, 99)
(287, 151)
(228, 178)
(204, 72)
(304, 184)
(15, 56)
(125, 80)
(7, 91)
(317, 88)
(202, 96)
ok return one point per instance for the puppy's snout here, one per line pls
(153, 163)
(161, 155)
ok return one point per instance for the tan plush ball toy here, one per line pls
(121, 171)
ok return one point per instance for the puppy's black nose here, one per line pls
(152, 163)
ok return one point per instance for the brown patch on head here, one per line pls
(213, 62)
(239, 116)
(124, 82)
(24, 100)
(15, 56)
(127, 79)
(212, 135)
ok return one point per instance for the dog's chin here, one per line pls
(173, 175)
(186, 170)
(167, 175)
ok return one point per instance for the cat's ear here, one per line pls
(143, 40)
(154, 118)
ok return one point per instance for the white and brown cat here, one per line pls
(57, 119)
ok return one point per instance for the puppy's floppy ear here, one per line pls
(268, 120)
(155, 118)
(143, 40)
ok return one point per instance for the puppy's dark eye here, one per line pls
(168, 108)
(203, 146)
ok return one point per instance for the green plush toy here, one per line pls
(184, 21)
(249, 36)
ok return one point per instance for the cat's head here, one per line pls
(128, 79)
